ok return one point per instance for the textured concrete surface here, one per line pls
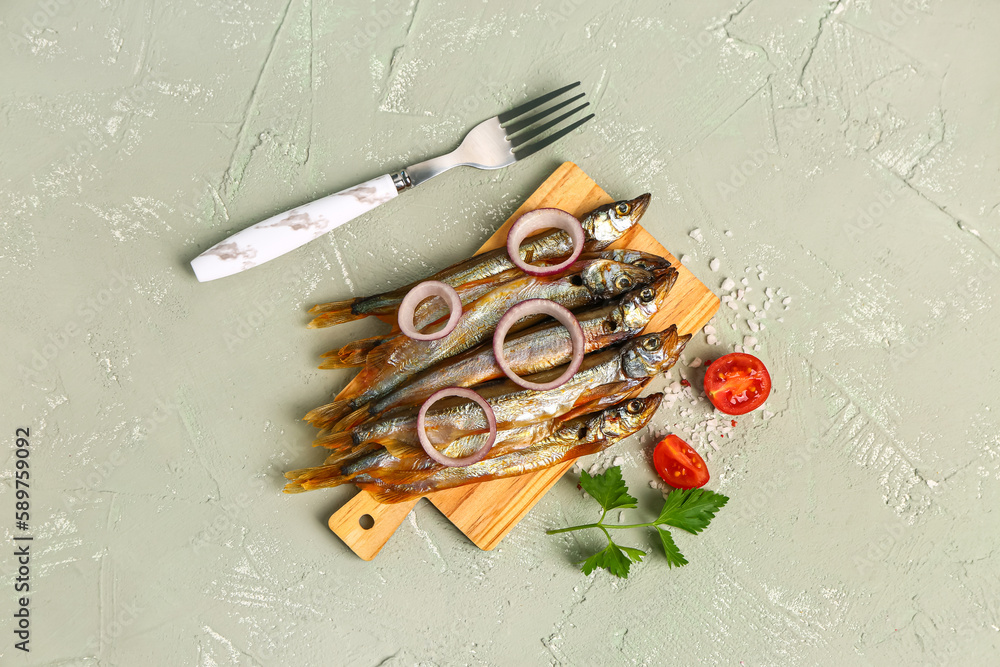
(844, 152)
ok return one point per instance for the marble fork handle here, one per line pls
(287, 231)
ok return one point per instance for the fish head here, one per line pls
(608, 223)
(636, 309)
(605, 278)
(629, 416)
(652, 353)
(653, 263)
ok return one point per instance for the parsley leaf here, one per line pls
(674, 556)
(615, 559)
(608, 489)
(691, 509)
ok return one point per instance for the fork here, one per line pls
(494, 143)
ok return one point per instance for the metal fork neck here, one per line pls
(402, 181)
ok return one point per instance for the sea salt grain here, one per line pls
(745, 281)
(787, 300)
(711, 339)
(753, 325)
(769, 293)
(695, 363)
(684, 259)
(696, 234)
(749, 341)
(729, 234)
(728, 284)
(714, 264)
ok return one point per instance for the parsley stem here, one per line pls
(603, 526)
(581, 527)
(630, 525)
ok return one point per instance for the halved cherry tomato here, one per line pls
(678, 464)
(737, 383)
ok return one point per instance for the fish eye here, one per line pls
(634, 406)
(611, 324)
(622, 208)
(623, 282)
(647, 294)
(651, 343)
(582, 433)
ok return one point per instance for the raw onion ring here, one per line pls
(428, 446)
(546, 307)
(544, 218)
(419, 293)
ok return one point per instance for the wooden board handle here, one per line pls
(381, 520)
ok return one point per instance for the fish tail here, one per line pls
(334, 312)
(333, 363)
(328, 414)
(315, 472)
(355, 353)
(354, 419)
(316, 478)
(341, 441)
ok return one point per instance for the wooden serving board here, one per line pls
(486, 512)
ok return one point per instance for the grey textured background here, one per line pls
(850, 149)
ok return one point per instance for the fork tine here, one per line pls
(530, 149)
(536, 131)
(514, 128)
(531, 104)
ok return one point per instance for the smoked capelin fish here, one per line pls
(575, 438)
(432, 310)
(394, 362)
(602, 227)
(341, 468)
(531, 351)
(386, 468)
(603, 379)
(435, 311)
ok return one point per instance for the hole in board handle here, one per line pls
(366, 521)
